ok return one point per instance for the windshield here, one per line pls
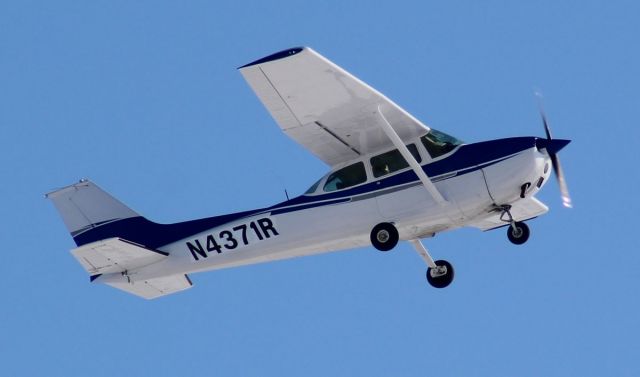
(313, 188)
(438, 143)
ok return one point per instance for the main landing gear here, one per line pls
(518, 232)
(384, 237)
(440, 273)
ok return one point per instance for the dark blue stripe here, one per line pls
(278, 55)
(153, 235)
(307, 206)
(466, 159)
(91, 226)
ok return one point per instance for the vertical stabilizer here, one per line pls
(84, 206)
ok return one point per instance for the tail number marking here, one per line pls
(230, 239)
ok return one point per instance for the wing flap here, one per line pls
(115, 255)
(521, 210)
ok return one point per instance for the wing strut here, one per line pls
(415, 165)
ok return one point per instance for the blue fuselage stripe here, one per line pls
(466, 159)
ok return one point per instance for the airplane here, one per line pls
(391, 178)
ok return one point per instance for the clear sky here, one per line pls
(143, 97)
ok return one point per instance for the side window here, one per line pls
(391, 161)
(346, 177)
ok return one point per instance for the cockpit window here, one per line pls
(346, 177)
(391, 161)
(314, 187)
(439, 143)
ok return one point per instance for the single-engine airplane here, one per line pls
(392, 178)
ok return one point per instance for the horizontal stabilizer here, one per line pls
(521, 210)
(150, 288)
(115, 255)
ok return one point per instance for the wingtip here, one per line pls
(276, 56)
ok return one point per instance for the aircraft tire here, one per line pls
(519, 234)
(384, 236)
(441, 281)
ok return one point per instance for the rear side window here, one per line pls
(346, 177)
(391, 161)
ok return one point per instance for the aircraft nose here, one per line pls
(552, 146)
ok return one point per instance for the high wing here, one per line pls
(325, 108)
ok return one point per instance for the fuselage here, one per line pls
(473, 178)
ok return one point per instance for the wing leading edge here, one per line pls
(323, 107)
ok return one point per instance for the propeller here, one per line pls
(552, 147)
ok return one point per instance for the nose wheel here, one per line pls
(440, 273)
(518, 232)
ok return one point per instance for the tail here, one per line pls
(113, 240)
(85, 206)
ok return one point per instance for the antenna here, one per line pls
(281, 181)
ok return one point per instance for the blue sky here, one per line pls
(144, 98)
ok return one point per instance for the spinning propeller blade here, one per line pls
(553, 147)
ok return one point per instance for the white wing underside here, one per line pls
(324, 108)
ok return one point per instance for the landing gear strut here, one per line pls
(518, 232)
(440, 273)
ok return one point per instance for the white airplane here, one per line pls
(392, 178)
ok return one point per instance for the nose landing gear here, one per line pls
(518, 232)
